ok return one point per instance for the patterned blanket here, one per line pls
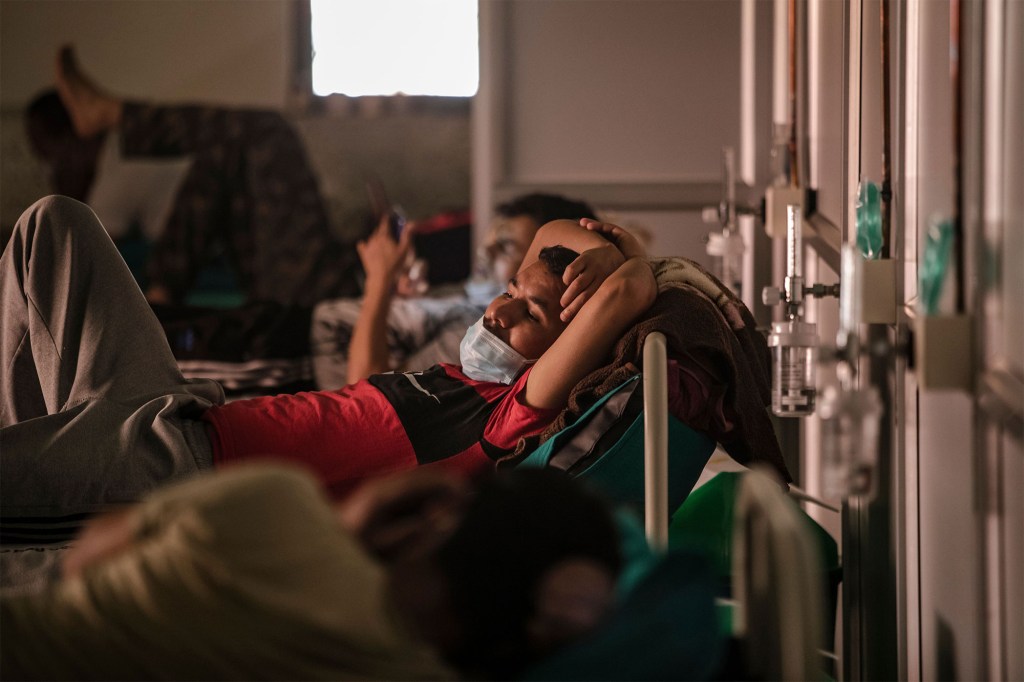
(722, 385)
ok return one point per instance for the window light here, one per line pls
(387, 47)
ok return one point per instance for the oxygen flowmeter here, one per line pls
(793, 341)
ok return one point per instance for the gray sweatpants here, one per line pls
(93, 408)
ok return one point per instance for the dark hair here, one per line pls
(71, 159)
(46, 121)
(521, 523)
(557, 258)
(543, 208)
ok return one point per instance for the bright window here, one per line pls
(386, 47)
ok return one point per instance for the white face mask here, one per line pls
(485, 357)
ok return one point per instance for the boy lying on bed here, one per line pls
(95, 412)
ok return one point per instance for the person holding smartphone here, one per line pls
(389, 307)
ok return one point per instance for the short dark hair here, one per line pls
(46, 121)
(521, 523)
(71, 160)
(543, 208)
(557, 258)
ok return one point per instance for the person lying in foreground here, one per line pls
(253, 574)
(95, 412)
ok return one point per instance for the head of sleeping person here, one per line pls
(517, 221)
(530, 565)
(519, 324)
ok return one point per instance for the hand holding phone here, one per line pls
(383, 256)
(381, 206)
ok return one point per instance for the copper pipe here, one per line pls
(794, 175)
(956, 44)
(886, 190)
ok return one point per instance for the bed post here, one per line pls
(656, 441)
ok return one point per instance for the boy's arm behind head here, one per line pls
(567, 233)
(587, 341)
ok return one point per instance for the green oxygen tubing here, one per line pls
(869, 220)
(938, 245)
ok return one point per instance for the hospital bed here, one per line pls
(673, 605)
(780, 568)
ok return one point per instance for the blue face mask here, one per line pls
(485, 357)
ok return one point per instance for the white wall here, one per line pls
(225, 51)
(624, 104)
(603, 91)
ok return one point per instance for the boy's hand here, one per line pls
(584, 276)
(383, 258)
(628, 245)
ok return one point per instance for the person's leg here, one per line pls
(74, 324)
(200, 227)
(250, 190)
(209, 214)
(162, 130)
(93, 407)
(296, 257)
(253, 192)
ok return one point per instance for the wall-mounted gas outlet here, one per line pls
(943, 352)
(878, 292)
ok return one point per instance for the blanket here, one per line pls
(723, 383)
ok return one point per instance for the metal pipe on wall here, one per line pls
(870, 646)
(956, 47)
(794, 174)
(886, 193)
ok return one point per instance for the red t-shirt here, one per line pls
(387, 423)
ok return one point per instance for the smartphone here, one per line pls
(381, 205)
(396, 221)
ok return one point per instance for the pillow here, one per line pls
(133, 193)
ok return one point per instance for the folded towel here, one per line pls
(721, 356)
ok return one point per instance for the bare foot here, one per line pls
(92, 111)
